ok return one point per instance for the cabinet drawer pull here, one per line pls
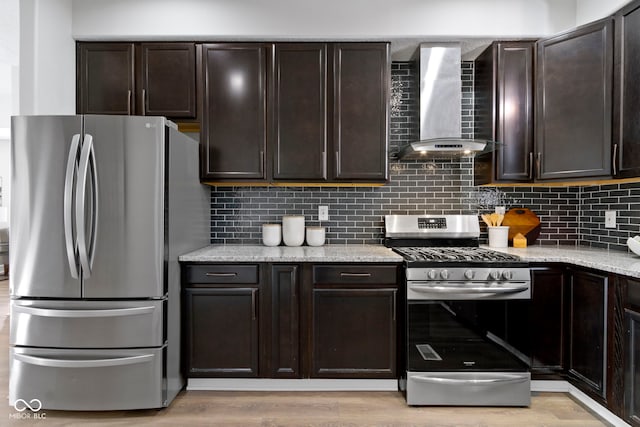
(355, 274)
(221, 274)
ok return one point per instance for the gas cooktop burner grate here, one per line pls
(446, 254)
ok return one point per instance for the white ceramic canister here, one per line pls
(293, 230)
(498, 236)
(271, 234)
(315, 236)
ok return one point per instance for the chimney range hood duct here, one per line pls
(440, 105)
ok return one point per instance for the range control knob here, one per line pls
(507, 275)
(432, 274)
(494, 274)
(469, 274)
(444, 274)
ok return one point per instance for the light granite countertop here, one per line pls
(259, 253)
(624, 263)
(627, 264)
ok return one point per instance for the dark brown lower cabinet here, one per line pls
(548, 312)
(222, 332)
(587, 363)
(353, 333)
(632, 368)
(285, 322)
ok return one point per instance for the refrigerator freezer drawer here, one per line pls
(87, 379)
(87, 324)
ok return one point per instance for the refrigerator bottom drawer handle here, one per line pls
(49, 312)
(90, 363)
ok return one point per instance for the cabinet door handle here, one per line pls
(394, 305)
(355, 274)
(221, 274)
(144, 102)
(531, 165)
(262, 163)
(615, 155)
(539, 164)
(337, 172)
(324, 164)
(129, 102)
(253, 304)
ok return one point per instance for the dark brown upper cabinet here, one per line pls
(361, 78)
(503, 111)
(311, 112)
(106, 78)
(300, 112)
(167, 80)
(152, 79)
(626, 95)
(234, 127)
(573, 103)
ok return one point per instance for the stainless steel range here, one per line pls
(466, 335)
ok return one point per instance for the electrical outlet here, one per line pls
(610, 219)
(323, 213)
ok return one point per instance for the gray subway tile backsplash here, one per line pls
(569, 215)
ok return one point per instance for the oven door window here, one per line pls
(467, 336)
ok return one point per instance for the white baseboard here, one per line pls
(565, 387)
(271, 384)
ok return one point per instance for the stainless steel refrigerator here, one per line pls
(102, 207)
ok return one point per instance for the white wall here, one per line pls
(301, 19)
(592, 10)
(47, 57)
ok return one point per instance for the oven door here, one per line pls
(468, 336)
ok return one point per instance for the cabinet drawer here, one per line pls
(355, 274)
(219, 273)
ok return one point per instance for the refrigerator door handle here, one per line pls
(113, 312)
(71, 175)
(75, 363)
(86, 249)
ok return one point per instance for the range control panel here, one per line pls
(432, 223)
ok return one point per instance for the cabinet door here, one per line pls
(234, 131)
(106, 80)
(222, 332)
(285, 319)
(574, 110)
(547, 320)
(353, 333)
(632, 368)
(300, 109)
(514, 111)
(361, 78)
(167, 80)
(626, 97)
(588, 331)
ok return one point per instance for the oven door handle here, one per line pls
(467, 289)
(498, 379)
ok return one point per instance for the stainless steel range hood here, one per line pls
(440, 106)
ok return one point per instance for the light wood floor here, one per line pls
(327, 409)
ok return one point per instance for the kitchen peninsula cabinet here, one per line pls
(149, 79)
(354, 321)
(573, 103)
(234, 128)
(626, 95)
(503, 111)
